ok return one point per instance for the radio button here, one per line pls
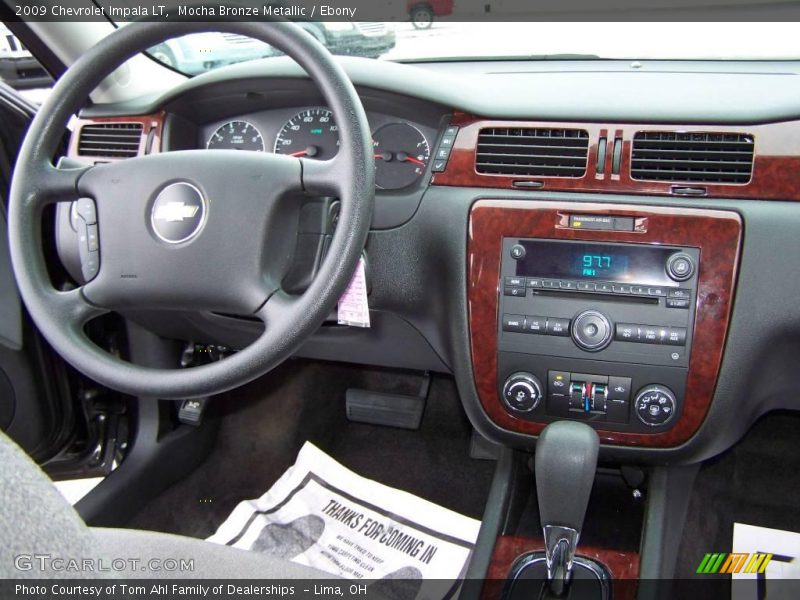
(513, 322)
(514, 291)
(550, 283)
(638, 289)
(681, 293)
(627, 332)
(677, 303)
(605, 287)
(515, 281)
(649, 334)
(534, 283)
(655, 291)
(622, 289)
(558, 327)
(568, 285)
(535, 325)
(586, 286)
(676, 336)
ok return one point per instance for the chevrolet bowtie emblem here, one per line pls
(175, 211)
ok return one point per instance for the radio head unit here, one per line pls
(595, 331)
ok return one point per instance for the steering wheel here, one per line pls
(228, 255)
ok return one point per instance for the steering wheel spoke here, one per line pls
(323, 177)
(73, 309)
(57, 183)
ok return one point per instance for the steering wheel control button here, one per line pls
(591, 331)
(680, 266)
(513, 323)
(92, 240)
(88, 239)
(86, 210)
(655, 405)
(517, 251)
(178, 213)
(522, 392)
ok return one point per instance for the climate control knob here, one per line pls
(591, 330)
(655, 405)
(522, 392)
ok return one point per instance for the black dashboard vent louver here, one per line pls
(110, 140)
(699, 157)
(539, 152)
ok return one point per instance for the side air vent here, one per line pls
(534, 152)
(110, 140)
(692, 157)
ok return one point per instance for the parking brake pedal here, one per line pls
(391, 410)
(191, 411)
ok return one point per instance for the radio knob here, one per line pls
(655, 405)
(680, 266)
(591, 330)
(522, 392)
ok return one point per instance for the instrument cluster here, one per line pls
(401, 148)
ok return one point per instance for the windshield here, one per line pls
(440, 39)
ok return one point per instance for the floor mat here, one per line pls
(756, 482)
(264, 425)
(322, 515)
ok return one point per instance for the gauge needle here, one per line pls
(404, 157)
(310, 152)
(400, 156)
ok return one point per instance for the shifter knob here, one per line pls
(565, 463)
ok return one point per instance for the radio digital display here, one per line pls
(607, 262)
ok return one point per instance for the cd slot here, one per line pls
(597, 296)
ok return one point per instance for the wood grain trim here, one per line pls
(716, 233)
(776, 166)
(623, 566)
(150, 123)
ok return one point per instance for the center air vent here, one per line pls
(692, 157)
(110, 140)
(535, 152)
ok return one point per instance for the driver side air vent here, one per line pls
(692, 156)
(539, 152)
(110, 140)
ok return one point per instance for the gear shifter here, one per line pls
(566, 461)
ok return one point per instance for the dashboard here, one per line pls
(610, 259)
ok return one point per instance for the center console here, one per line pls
(614, 315)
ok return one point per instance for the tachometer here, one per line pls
(312, 133)
(236, 135)
(401, 154)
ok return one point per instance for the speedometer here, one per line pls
(312, 133)
(236, 135)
